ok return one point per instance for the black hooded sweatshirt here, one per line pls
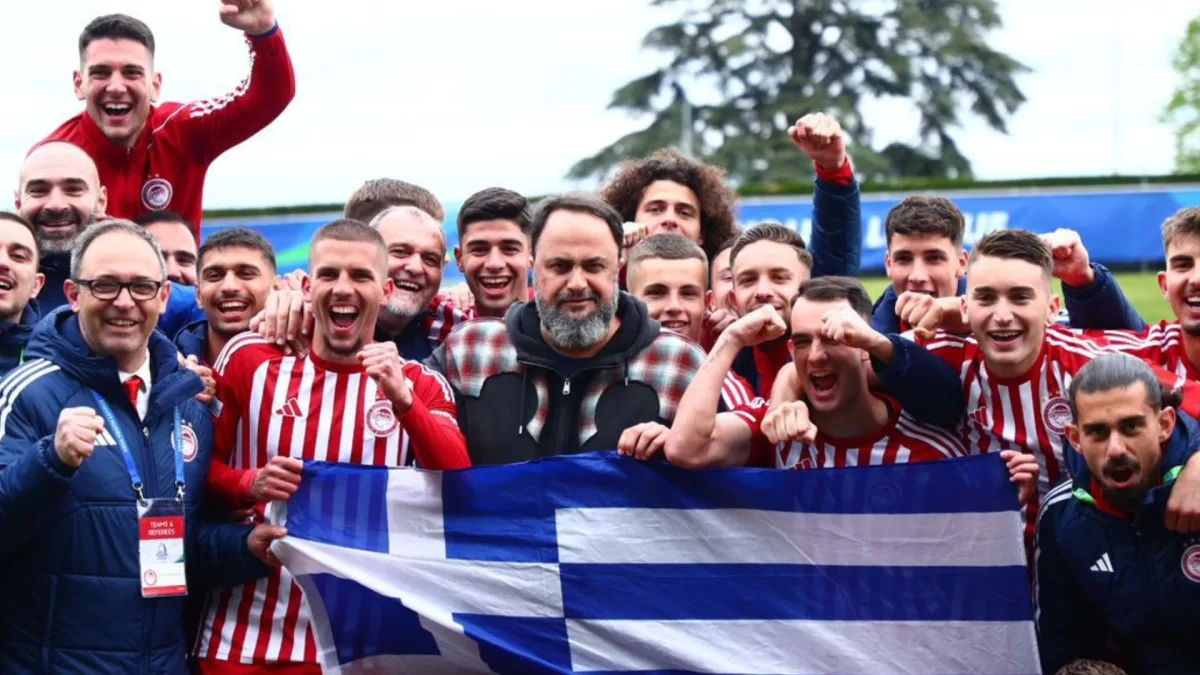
(519, 399)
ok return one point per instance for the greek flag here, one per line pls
(603, 564)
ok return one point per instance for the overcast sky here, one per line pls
(462, 94)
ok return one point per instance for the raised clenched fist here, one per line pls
(820, 137)
(75, 438)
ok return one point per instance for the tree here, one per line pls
(1184, 107)
(771, 61)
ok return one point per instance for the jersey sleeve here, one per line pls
(443, 317)
(234, 373)
(735, 392)
(946, 346)
(1148, 345)
(753, 412)
(217, 124)
(432, 421)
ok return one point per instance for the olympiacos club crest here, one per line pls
(1056, 415)
(1191, 563)
(157, 193)
(381, 419)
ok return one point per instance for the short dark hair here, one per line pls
(1114, 371)
(773, 232)
(829, 289)
(578, 202)
(666, 247)
(495, 204)
(1089, 667)
(22, 221)
(164, 218)
(116, 27)
(237, 237)
(378, 194)
(717, 219)
(1183, 223)
(725, 246)
(926, 216)
(1014, 245)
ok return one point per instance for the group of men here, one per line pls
(160, 390)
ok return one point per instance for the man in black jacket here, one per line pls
(570, 371)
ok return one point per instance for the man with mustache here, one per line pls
(61, 194)
(237, 272)
(1113, 582)
(155, 156)
(572, 370)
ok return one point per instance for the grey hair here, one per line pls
(1114, 371)
(94, 232)
(408, 210)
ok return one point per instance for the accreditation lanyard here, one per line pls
(110, 421)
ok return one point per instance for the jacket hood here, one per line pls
(1183, 443)
(58, 339)
(636, 333)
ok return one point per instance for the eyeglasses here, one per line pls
(109, 289)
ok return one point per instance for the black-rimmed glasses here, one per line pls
(109, 289)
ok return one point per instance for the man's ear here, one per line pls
(1073, 436)
(458, 256)
(1166, 421)
(39, 280)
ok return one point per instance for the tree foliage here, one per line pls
(767, 62)
(1183, 110)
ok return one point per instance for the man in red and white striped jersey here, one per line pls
(1017, 364)
(669, 273)
(833, 347)
(1174, 345)
(350, 400)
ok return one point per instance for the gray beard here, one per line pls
(575, 334)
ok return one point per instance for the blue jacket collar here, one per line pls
(192, 339)
(15, 334)
(58, 339)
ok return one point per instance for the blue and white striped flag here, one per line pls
(602, 564)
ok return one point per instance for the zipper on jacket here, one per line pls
(566, 386)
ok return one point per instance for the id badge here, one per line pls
(160, 548)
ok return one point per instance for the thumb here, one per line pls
(230, 10)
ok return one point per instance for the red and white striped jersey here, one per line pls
(901, 440)
(736, 392)
(1161, 344)
(1028, 413)
(272, 404)
(443, 317)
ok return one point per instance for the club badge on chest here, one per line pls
(381, 419)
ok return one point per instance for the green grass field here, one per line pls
(1140, 287)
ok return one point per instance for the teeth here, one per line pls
(408, 286)
(117, 108)
(6, 285)
(232, 306)
(343, 310)
(495, 282)
(1192, 300)
(123, 323)
(1006, 336)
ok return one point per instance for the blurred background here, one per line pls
(1071, 113)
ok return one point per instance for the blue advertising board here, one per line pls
(1119, 227)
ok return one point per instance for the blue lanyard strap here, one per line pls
(110, 422)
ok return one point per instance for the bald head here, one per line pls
(416, 249)
(60, 193)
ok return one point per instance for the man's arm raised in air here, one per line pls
(216, 125)
(700, 437)
(836, 238)
(1093, 297)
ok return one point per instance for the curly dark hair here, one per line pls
(718, 223)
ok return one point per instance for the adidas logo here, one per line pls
(1103, 564)
(290, 409)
